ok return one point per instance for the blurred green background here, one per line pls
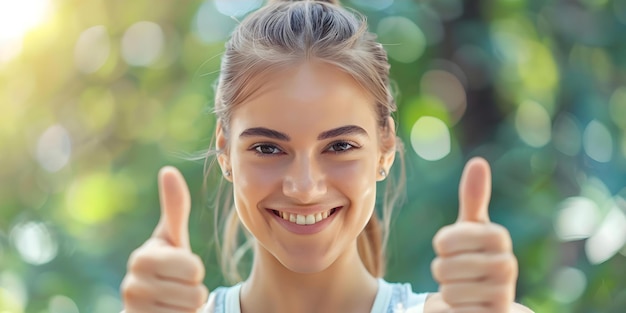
(97, 95)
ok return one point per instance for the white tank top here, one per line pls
(390, 298)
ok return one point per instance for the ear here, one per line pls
(387, 147)
(221, 145)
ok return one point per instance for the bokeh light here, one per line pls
(237, 8)
(142, 43)
(96, 96)
(62, 304)
(402, 38)
(54, 148)
(89, 199)
(568, 284)
(92, 49)
(35, 242)
(533, 124)
(13, 292)
(430, 138)
(210, 25)
(608, 239)
(106, 303)
(598, 142)
(577, 219)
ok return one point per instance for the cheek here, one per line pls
(250, 175)
(253, 181)
(355, 179)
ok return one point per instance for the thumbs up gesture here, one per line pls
(163, 274)
(475, 265)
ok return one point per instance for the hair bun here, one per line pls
(335, 2)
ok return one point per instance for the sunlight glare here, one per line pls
(16, 19)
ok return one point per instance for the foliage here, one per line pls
(101, 94)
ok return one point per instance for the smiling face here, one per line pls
(305, 152)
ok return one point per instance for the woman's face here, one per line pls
(305, 152)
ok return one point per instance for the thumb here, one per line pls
(475, 191)
(175, 208)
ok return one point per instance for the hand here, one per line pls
(163, 274)
(475, 265)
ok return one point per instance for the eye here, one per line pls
(341, 146)
(266, 149)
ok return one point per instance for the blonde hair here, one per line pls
(283, 33)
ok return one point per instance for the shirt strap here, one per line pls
(383, 296)
(231, 303)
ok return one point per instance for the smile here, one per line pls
(310, 219)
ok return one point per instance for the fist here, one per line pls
(475, 265)
(163, 274)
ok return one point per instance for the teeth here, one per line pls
(305, 219)
(310, 219)
(318, 217)
(300, 219)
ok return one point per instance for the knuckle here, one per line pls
(140, 260)
(509, 266)
(441, 240)
(501, 306)
(436, 269)
(131, 289)
(500, 263)
(501, 230)
(499, 237)
(198, 270)
(503, 295)
(200, 295)
(126, 287)
(504, 267)
(479, 261)
(446, 294)
(132, 259)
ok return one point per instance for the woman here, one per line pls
(304, 133)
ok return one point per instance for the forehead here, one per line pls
(313, 95)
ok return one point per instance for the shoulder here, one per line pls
(403, 299)
(435, 304)
(217, 301)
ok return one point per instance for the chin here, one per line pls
(305, 261)
(306, 267)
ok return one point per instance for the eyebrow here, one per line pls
(274, 134)
(343, 130)
(264, 132)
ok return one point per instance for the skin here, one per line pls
(306, 169)
(163, 275)
(306, 173)
(475, 265)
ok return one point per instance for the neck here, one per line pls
(345, 286)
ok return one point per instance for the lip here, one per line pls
(305, 229)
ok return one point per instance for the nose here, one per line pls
(304, 181)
